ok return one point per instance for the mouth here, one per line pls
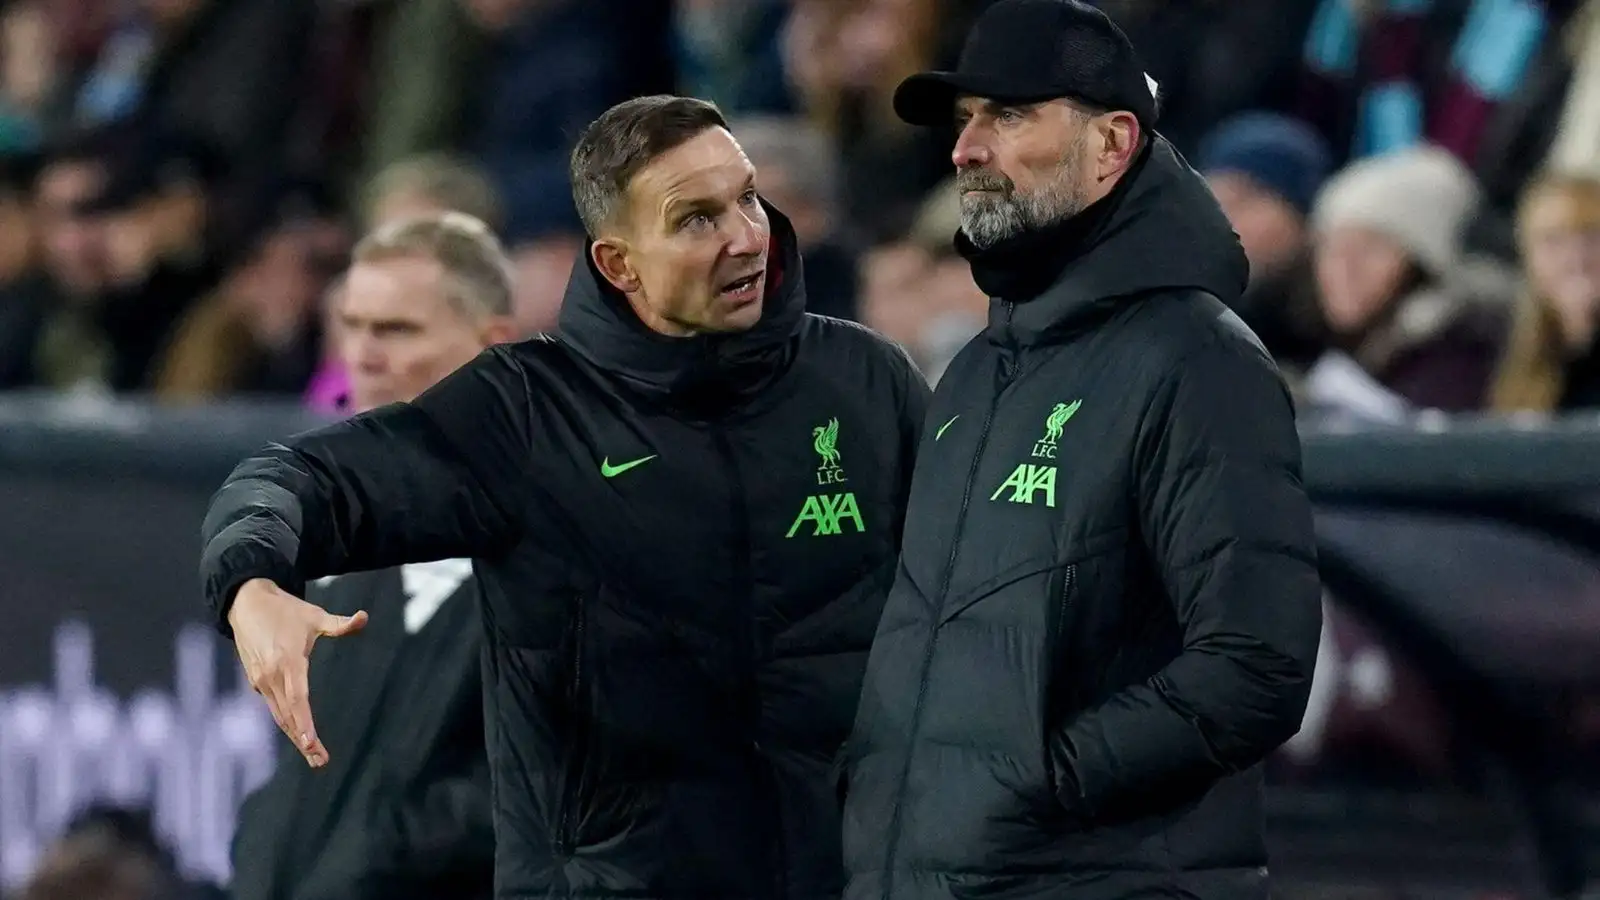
(742, 289)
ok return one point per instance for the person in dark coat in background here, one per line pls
(1107, 610)
(402, 810)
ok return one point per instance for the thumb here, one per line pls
(339, 626)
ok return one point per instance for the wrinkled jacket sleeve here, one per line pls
(1222, 509)
(410, 482)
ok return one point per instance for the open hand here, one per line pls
(274, 631)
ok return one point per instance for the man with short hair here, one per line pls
(402, 810)
(418, 186)
(1108, 609)
(684, 508)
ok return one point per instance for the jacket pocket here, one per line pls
(576, 746)
(839, 773)
(1062, 604)
(1058, 648)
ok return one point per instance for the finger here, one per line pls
(339, 626)
(280, 715)
(297, 710)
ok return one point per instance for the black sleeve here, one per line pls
(1222, 509)
(411, 482)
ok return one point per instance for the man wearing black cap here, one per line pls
(1108, 608)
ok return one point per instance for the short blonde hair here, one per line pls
(477, 271)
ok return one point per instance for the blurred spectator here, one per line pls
(156, 226)
(1215, 58)
(71, 347)
(222, 75)
(1550, 122)
(260, 331)
(1265, 170)
(730, 52)
(844, 58)
(919, 291)
(1551, 361)
(550, 67)
(1396, 292)
(420, 73)
(109, 854)
(798, 173)
(95, 866)
(399, 341)
(1384, 75)
(427, 185)
(27, 74)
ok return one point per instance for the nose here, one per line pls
(747, 235)
(971, 149)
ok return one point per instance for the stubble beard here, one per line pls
(1001, 212)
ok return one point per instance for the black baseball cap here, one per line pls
(1030, 51)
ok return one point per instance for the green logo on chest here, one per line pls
(828, 512)
(1027, 480)
(1031, 481)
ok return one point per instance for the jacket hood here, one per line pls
(1161, 230)
(599, 325)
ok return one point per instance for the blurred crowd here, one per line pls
(1416, 182)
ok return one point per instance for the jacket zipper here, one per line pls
(567, 825)
(1070, 579)
(1007, 373)
(765, 775)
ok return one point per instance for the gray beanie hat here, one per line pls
(1420, 197)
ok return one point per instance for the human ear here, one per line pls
(611, 258)
(1119, 141)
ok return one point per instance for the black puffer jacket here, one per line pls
(1108, 608)
(683, 545)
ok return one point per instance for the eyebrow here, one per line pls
(682, 208)
(991, 107)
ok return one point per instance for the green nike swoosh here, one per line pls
(940, 433)
(607, 470)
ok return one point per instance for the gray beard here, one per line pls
(1004, 213)
(989, 219)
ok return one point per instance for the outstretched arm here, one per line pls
(411, 482)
